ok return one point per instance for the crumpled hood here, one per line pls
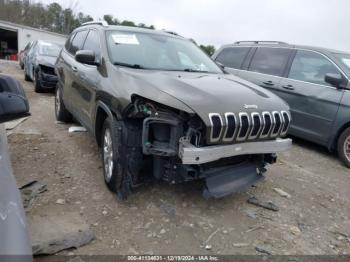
(211, 93)
(46, 60)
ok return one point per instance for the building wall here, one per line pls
(27, 34)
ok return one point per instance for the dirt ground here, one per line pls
(168, 219)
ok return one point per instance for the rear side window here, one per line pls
(77, 42)
(271, 61)
(93, 43)
(233, 57)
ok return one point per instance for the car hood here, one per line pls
(46, 60)
(210, 93)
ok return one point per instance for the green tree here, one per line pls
(209, 49)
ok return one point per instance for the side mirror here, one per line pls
(13, 101)
(86, 57)
(335, 80)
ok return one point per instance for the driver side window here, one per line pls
(311, 67)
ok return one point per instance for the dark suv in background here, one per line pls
(313, 81)
(156, 102)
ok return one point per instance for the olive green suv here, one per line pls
(158, 105)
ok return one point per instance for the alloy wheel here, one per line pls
(108, 155)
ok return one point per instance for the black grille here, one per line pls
(267, 126)
(256, 125)
(231, 126)
(244, 126)
(216, 131)
(278, 123)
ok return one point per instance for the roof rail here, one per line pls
(101, 22)
(261, 42)
(171, 32)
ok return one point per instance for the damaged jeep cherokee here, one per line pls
(154, 101)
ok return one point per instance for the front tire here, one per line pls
(62, 114)
(26, 76)
(114, 162)
(344, 147)
(37, 85)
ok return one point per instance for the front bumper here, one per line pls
(48, 80)
(191, 155)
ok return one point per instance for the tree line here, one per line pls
(53, 17)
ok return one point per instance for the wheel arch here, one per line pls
(333, 145)
(102, 112)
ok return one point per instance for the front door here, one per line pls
(314, 103)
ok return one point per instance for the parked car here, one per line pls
(14, 238)
(23, 54)
(39, 64)
(313, 81)
(154, 99)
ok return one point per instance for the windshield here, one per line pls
(159, 52)
(49, 49)
(345, 59)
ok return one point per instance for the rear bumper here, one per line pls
(191, 155)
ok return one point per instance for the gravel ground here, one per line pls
(164, 219)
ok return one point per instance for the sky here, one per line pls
(322, 23)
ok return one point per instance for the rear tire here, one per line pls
(343, 147)
(62, 114)
(114, 162)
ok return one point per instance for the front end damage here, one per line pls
(177, 145)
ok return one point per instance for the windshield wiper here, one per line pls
(136, 66)
(194, 70)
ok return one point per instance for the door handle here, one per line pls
(288, 87)
(269, 83)
(74, 68)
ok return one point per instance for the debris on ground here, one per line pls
(263, 249)
(208, 247)
(255, 228)
(60, 201)
(75, 129)
(53, 234)
(13, 124)
(168, 209)
(239, 245)
(282, 193)
(30, 191)
(295, 230)
(267, 205)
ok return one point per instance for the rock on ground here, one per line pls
(52, 234)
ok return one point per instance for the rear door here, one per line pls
(267, 67)
(314, 103)
(233, 58)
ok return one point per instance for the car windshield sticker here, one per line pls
(126, 39)
(346, 61)
(46, 44)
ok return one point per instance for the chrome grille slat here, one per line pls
(211, 117)
(286, 122)
(276, 133)
(263, 134)
(253, 128)
(245, 134)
